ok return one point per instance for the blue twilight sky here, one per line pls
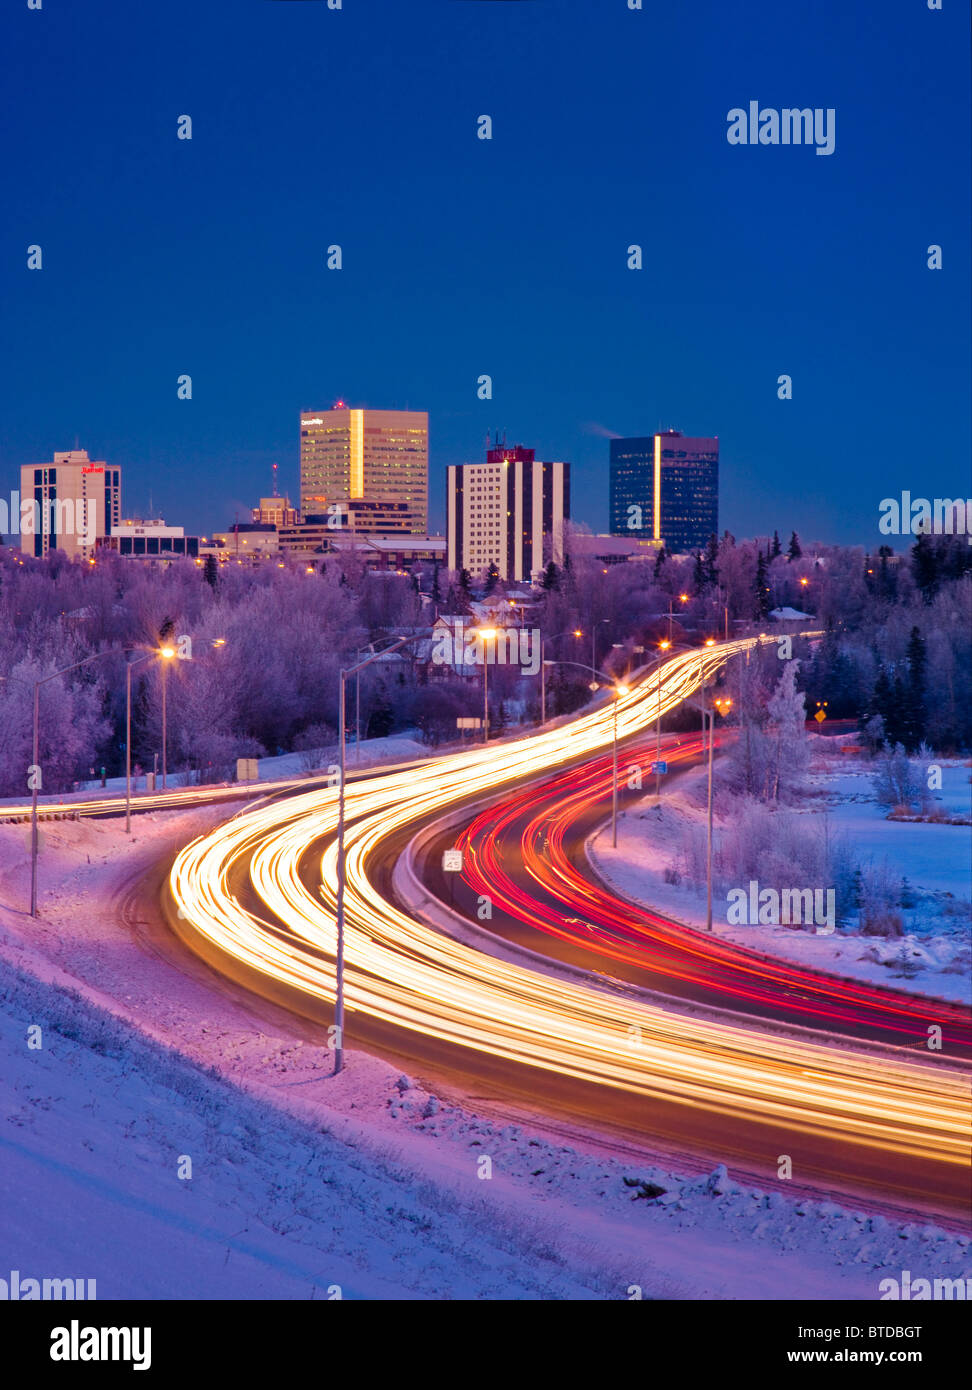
(508, 257)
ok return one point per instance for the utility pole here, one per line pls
(708, 850)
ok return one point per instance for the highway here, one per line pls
(526, 854)
(183, 798)
(256, 898)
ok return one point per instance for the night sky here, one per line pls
(508, 257)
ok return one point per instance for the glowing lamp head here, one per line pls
(684, 598)
(487, 632)
(710, 641)
(167, 652)
(665, 645)
(620, 690)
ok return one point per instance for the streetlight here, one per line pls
(573, 632)
(35, 756)
(339, 960)
(167, 653)
(485, 633)
(664, 645)
(620, 689)
(723, 706)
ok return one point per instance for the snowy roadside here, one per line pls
(371, 753)
(932, 958)
(302, 1182)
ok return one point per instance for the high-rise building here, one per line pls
(665, 487)
(508, 512)
(368, 467)
(77, 502)
(276, 511)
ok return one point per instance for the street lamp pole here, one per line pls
(619, 689)
(128, 736)
(341, 868)
(35, 764)
(164, 731)
(543, 683)
(485, 634)
(339, 957)
(33, 802)
(34, 773)
(614, 781)
(708, 850)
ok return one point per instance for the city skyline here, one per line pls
(456, 264)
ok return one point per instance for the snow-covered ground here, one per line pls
(302, 1182)
(935, 859)
(371, 753)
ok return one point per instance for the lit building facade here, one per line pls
(276, 511)
(368, 466)
(77, 501)
(152, 540)
(665, 487)
(508, 512)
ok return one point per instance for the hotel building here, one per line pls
(508, 512)
(370, 467)
(77, 504)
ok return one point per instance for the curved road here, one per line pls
(256, 896)
(526, 854)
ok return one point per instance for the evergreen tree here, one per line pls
(464, 584)
(211, 571)
(436, 590)
(698, 574)
(492, 576)
(924, 567)
(660, 559)
(777, 548)
(711, 561)
(916, 709)
(887, 579)
(762, 597)
(551, 577)
(793, 551)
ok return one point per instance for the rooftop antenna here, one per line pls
(275, 492)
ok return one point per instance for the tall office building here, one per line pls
(370, 467)
(665, 487)
(77, 502)
(508, 512)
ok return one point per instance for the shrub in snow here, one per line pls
(897, 780)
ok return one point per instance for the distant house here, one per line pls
(789, 615)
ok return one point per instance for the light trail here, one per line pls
(528, 830)
(182, 798)
(406, 974)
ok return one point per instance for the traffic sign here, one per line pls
(452, 861)
(659, 767)
(820, 716)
